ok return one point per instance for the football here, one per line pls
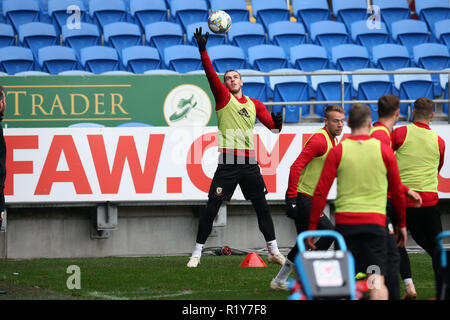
(219, 22)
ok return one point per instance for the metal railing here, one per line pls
(342, 75)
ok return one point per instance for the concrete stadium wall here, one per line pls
(65, 232)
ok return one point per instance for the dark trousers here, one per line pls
(232, 171)
(369, 249)
(207, 216)
(392, 278)
(302, 222)
(425, 224)
(405, 265)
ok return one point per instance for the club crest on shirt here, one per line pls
(243, 112)
(218, 191)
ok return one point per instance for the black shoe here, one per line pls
(3, 292)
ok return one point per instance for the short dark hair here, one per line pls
(332, 107)
(388, 105)
(2, 94)
(358, 115)
(424, 107)
(231, 70)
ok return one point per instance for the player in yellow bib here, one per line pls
(420, 155)
(303, 177)
(236, 115)
(398, 259)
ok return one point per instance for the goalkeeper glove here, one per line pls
(201, 40)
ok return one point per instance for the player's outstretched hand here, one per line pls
(277, 120)
(201, 40)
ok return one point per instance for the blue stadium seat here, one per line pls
(410, 33)
(369, 37)
(187, 12)
(432, 56)
(371, 87)
(267, 57)
(246, 34)
(349, 11)
(163, 34)
(412, 87)
(269, 11)
(20, 12)
(134, 124)
(442, 32)
(328, 88)
(329, 34)
(58, 11)
(310, 11)
(444, 86)
(287, 34)
(139, 59)
(391, 56)
(182, 58)
(7, 36)
(99, 59)
(161, 71)
(104, 12)
(86, 125)
(43, 5)
(393, 10)
(349, 57)
(121, 35)
(213, 39)
(254, 86)
(127, 4)
(237, 9)
(56, 59)
(309, 57)
(36, 35)
(432, 11)
(3, 18)
(86, 3)
(146, 12)
(226, 57)
(16, 59)
(31, 73)
(290, 88)
(86, 36)
(75, 73)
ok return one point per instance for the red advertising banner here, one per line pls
(54, 165)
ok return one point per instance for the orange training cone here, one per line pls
(253, 260)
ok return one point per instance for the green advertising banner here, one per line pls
(61, 101)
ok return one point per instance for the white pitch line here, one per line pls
(97, 294)
(101, 295)
(182, 293)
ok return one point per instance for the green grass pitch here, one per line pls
(159, 278)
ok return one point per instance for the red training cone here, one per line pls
(253, 260)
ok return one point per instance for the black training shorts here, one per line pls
(368, 245)
(238, 170)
